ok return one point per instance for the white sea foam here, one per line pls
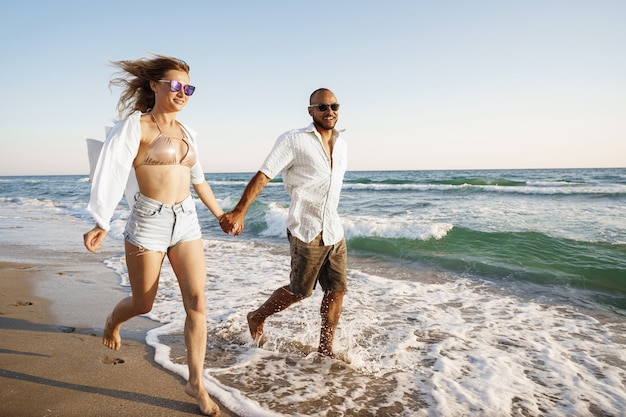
(407, 226)
(275, 217)
(402, 227)
(25, 204)
(537, 187)
(449, 348)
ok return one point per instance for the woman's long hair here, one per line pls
(134, 77)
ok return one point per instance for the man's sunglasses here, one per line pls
(324, 107)
(175, 87)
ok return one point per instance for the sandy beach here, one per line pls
(52, 361)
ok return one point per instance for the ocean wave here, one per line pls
(370, 226)
(525, 256)
(458, 184)
(269, 221)
(25, 203)
(539, 188)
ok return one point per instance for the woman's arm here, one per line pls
(205, 193)
(113, 169)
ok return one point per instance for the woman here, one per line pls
(154, 159)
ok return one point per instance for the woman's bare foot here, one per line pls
(256, 329)
(111, 335)
(206, 404)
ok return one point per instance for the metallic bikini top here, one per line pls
(166, 150)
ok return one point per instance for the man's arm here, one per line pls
(234, 221)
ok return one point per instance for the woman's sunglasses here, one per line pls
(324, 107)
(175, 87)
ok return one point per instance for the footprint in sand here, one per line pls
(66, 329)
(108, 360)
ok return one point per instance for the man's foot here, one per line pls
(332, 355)
(326, 352)
(206, 404)
(256, 329)
(111, 335)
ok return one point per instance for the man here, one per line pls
(313, 162)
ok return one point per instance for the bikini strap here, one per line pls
(155, 122)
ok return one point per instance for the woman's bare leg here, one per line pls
(144, 268)
(189, 265)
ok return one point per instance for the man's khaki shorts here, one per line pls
(313, 262)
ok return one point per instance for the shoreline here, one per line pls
(52, 360)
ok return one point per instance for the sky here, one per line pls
(423, 85)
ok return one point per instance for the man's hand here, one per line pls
(232, 223)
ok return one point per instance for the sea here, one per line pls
(471, 293)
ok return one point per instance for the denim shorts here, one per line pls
(313, 262)
(156, 226)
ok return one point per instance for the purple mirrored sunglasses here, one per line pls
(175, 87)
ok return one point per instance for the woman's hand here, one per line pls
(93, 238)
(232, 223)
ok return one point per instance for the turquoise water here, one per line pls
(557, 228)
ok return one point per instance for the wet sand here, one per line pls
(52, 361)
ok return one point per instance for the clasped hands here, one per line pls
(232, 223)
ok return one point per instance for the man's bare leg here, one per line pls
(278, 301)
(330, 311)
(256, 329)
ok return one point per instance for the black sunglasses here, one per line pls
(325, 107)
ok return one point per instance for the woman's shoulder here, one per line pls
(144, 119)
(127, 126)
(133, 118)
